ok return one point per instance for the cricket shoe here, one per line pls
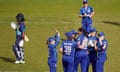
(22, 61)
(17, 62)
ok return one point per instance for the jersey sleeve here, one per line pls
(81, 12)
(105, 42)
(22, 28)
(57, 39)
(92, 10)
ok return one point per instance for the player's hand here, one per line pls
(88, 15)
(58, 32)
(85, 14)
(96, 48)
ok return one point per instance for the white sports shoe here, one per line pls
(17, 62)
(22, 61)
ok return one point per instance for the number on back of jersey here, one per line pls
(68, 50)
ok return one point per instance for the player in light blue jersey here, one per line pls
(92, 40)
(86, 13)
(81, 53)
(68, 50)
(20, 35)
(52, 43)
(102, 45)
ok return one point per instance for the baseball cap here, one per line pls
(69, 34)
(101, 34)
(73, 32)
(85, 1)
(51, 39)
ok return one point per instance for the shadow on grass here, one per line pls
(7, 59)
(112, 23)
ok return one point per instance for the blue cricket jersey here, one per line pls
(91, 41)
(81, 38)
(20, 29)
(52, 50)
(68, 48)
(87, 11)
(100, 47)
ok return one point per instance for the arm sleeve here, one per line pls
(22, 28)
(81, 12)
(101, 48)
(92, 10)
(57, 39)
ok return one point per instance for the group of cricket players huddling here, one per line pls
(84, 47)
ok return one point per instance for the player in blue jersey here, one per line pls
(86, 13)
(20, 35)
(81, 53)
(68, 50)
(52, 43)
(102, 45)
(92, 40)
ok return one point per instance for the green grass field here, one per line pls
(42, 18)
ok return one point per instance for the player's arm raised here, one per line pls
(57, 37)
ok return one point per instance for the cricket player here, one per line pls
(102, 45)
(86, 13)
(52, 43)
(68, 50)
(20, 35)
(92, 40)
(81, 53)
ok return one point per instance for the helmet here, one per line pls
(20, 17)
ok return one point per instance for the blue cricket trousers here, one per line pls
(100, 62)
(92, 60)
(52, 65)
(18, 51)
(81, 57)
(68, 64)
(87, 24)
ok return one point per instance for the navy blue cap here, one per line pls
(93, 30)
(85, 1)
(101, 34)
(51, 39)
